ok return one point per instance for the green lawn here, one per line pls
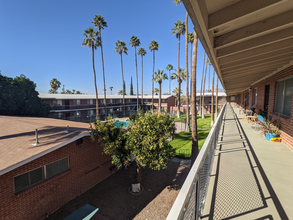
(182, 142)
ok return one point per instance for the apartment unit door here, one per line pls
(67, 104)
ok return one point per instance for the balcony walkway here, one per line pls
(251, 178)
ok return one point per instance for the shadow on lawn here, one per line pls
(114, 201)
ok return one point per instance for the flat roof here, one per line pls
(18, 136)
(82, 96)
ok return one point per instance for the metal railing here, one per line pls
(189, 203)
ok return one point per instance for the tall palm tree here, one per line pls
(169, 67)
(134, 42)
(111, 87)
(141, 52)
(153, 47)
(200, 92)
(203, 88)
(180, 75)
(212, 106)
(193, 102)
(159, 76)
(93, 40)
(101, 24)
(156, 91)
(121, 48)
(209, 63)
(55, 84)
(216, 108)
(179, 28)
(187, 129)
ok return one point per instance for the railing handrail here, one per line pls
(179, 204)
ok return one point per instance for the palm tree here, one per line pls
(93, 40)
(55, 84)
(193, 102)
(156, 91)
(169, 67)
(175, 91)
(187, 129)
(180, 75)
(212, 106)
(101, 24)
(217, 97)
(120, 92)
(142, 52)
(111, 89)
(159, 76)
(200, 92)
(209, 63)
(121, 48)
(203, 88)
(153, 47)
(179, 28)
(134, 41)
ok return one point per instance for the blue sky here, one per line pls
(42, 40)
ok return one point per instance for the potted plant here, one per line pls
(270, 128)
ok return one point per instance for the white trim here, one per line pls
(27, 160)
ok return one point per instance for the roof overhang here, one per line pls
(246, 40)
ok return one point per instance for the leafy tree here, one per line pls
(52, 91)
(135, 42)
(120, 92)
(77, 92)
(159, 76)
(68, 92)
(141, 52)
(156, 91)
(18, 96)
(55, 85)
(131, 87)
(179, 75)
(153, 47)
(169, 67)
(101, 24)
(93, 40)
(121, 48)
(111, 87)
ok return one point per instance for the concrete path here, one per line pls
(252, 178)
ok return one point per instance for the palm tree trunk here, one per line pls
(193, 102)
(203, 88)
(153, 81)
(200, 92)
(217, 97)
(169, 82)
(160, 93)
(136, 80)
(212, 104)
(178, 99)
(97, 99)
(105, 99)
(122, 84)
(142, 81)
(187, 82)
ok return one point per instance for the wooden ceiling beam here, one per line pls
(236, 11)
(255, 29)
(244, 76)
(255, 70)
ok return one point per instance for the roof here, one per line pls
(220, 94)
(18, 136)
(82, 96)
(246, 41)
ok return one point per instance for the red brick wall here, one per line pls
(50, 195)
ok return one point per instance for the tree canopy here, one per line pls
(19, 97)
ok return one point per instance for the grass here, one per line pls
(183, 141)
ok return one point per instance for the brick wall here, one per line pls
(50, 195)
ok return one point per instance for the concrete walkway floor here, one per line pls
(251, 178)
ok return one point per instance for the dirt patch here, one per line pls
(114, 201)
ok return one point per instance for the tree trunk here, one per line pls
(203, 88)
(136, 80)
(187, 82)
(105, 99)
(217, 97)
(122, 84)
(212, 104)
(178, 99)
(153, 81)
(97, 98)
(160, 93)
(200, 92)
(142, 81)
(169, 82)
(193, 102)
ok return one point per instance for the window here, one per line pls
(119, 100)
(111, 110)
(128, 108)
(284, 97)
(90, 101)
(254, 96)
(58, 115)
(76, 102)
(30, 178)
(90, 112)
(102, 101)
(232, 98)
(163, 100)
(57, 102)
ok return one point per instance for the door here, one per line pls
(267, 94)
(67, 104)
(67, 115)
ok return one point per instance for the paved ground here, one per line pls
(252, 178)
